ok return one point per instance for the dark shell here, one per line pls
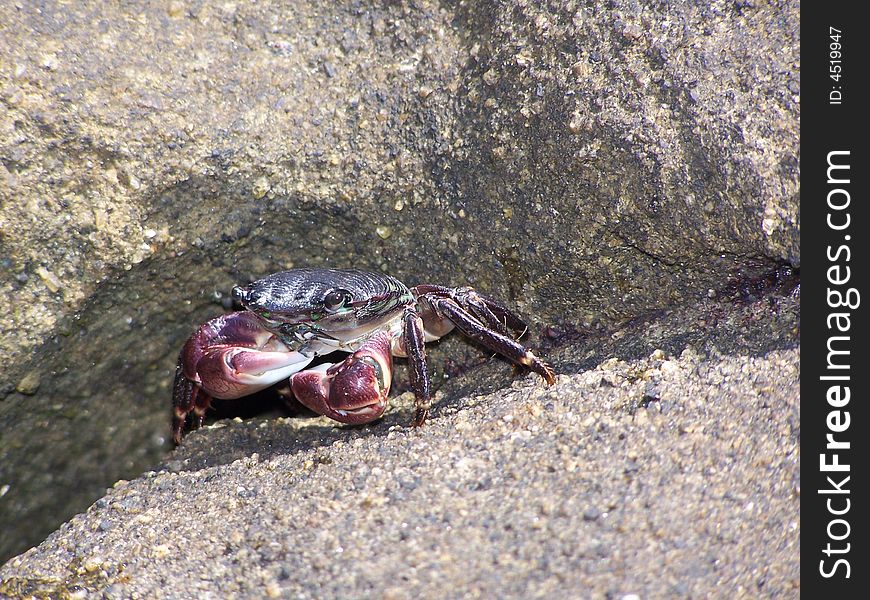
(297, 296)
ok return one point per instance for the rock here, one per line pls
(586, 165)
(518, 501)
(28, 384)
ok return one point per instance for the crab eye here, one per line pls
(241, 295)
(336, 299)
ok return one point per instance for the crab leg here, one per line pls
(187, 397)
(414, 341)
(487, 310)
(507, 347)
(352, 391)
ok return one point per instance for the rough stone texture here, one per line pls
(662, 476)
(587, 165)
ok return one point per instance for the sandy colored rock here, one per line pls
(588, 165)
(529, 492)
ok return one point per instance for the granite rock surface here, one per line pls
(588, 165)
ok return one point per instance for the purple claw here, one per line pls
(353, 391)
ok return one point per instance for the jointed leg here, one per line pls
(413, 338)
(489, 312)
(493, 340)
(187, 397)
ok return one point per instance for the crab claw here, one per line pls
(230, 373)
(228, 357)
(353, 391)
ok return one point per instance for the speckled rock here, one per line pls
(661, 476)
(588, 165)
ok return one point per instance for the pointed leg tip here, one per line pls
(420, 417)
(548, 374)
(538, 366)
(177, 432)
(543, 369)
(179, 421)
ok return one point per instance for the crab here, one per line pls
(293, 317)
